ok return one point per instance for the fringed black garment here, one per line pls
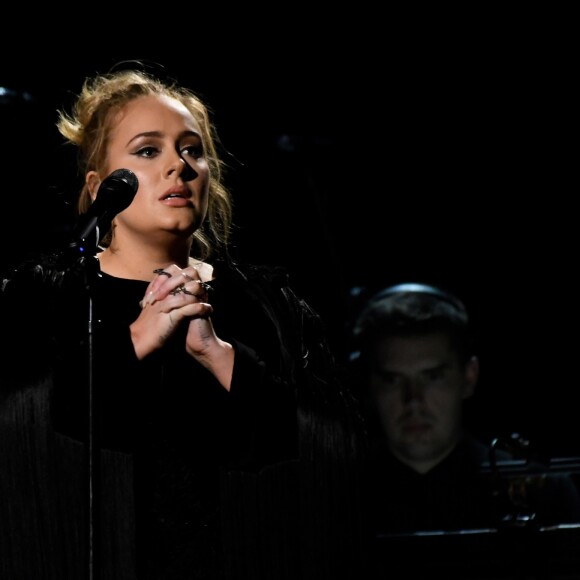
(194, 482)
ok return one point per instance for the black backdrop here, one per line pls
(362, 167)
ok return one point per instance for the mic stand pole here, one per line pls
(90, 271)
(93, 451)
(115, 194)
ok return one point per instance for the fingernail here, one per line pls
(150, 298)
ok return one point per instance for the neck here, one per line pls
(139, 262)
(423, 464)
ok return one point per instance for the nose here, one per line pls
(177, 164)
(413, 391)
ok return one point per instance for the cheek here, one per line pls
(135, 209)
(204, 178)
(205, 190)
(138, 200)
(388, 402)
(447, 400)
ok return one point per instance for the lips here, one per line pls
(179, 192)
(177, 197)
(416, 427)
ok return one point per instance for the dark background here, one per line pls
(362, 163)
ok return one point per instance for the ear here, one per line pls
(93, 182)
(471, 376)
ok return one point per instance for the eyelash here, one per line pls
(149, 151)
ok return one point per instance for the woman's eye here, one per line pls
(194, 151)
(147, 151)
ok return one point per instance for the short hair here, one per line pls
(413, 309)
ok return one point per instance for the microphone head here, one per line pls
(126, 175)
(118, 190)
(115, 194)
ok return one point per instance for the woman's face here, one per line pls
(160, 141)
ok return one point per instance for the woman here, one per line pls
(229, 448)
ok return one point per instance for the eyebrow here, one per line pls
(159, 134)
(441, 366)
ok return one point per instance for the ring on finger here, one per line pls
(162, 272)
(206, 287)
(179, 289)
(183, 290)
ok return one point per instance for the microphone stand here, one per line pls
(93, 446)
(115, 194)
(87, 258)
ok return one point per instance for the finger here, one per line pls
(187, 276)
(197, 310)
(169, 281)
(173, 280)
(195, 288)
(162, 272)
(190, 283)
(193, 273)
(190, 311)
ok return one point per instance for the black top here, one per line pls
(463, 492)
(463, 520)
(195, 481)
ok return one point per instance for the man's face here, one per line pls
(418, 384)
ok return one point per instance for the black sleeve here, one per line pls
(265, 411)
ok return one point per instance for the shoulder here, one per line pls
(262, 282)
(31, 268)
(265, 273)
(479, 453)
(270, 288)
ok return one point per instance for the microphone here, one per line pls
(115, 194)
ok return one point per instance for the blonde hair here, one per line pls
(89, 124)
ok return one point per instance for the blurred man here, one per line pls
(417, 363)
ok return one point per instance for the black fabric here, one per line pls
(194, 482)
(464, 520)
(451, 496)
(462, 492)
